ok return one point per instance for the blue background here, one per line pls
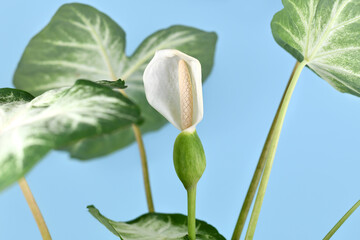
(315, 177)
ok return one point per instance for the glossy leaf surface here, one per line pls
(30, 127)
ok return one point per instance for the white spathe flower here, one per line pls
(173, 86)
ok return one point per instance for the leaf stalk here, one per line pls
(270, 146)
(144, 167)
(267, 152)
(342, 220)
(44, 231)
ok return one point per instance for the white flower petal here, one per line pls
(162, 87)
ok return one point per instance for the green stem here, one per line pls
(135, 128)
(191, 194)
(270, 146)
(254, 182)
(34, 209)
(144, 167)
(342, 220)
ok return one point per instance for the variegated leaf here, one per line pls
(82, 42)
(325, 34)
(31, 127)
(152, 226)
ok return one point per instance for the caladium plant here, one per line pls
(55, 108)
(82, 42)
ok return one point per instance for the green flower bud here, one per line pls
(189, 158)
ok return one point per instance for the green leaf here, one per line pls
(82, 42)
(326, 34)
(31, 127)
(156, 226)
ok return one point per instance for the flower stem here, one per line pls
(34, 209)
(270, 146)
(144, 166)
(191, 194)
(256, 178)
(342, 220)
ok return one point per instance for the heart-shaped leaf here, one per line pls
(156, 226)
(325, 34)
(82, 42)
(31, 127)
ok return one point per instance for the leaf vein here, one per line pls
(70, 44)
(341, 50)
(320, 70)
(69, 64)
(328, 28)
(97, 39)
(302, 18)
(350, 21)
